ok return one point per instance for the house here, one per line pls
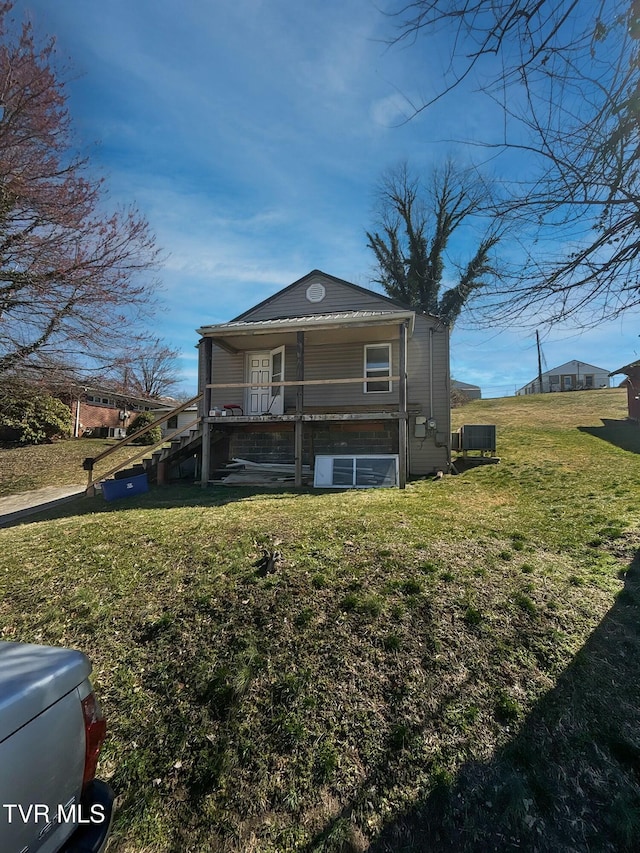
(471, 392)
(329, 375)
(571, 376)
(182, 421)
(101, 412)
(632, 383)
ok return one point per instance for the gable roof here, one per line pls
(462, 386)
(357, 290)
(626, 368)
(577, 363)
(568, 366)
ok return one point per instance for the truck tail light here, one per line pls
(95, 730)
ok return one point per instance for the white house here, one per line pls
(183, 420)
(571, 376)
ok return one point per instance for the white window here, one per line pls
(377, 368)
(358, 471)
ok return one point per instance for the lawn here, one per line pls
(452, 667)
(59, 464)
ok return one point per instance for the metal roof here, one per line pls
(342, 318)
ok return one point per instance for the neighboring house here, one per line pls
(183, 420)
(329, 375)
(471, 392)
(572, 376)
(632, 383)
(101, 412)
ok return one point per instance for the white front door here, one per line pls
(258, 397)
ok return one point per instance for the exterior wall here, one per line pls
(633, 393)
(429, 453)
(226, 367)
(355, 437)
(428, 385)
(106, 416)
(201, 373)
(344, 361)
(340, 296)
(320, 362)
(183, 419)
(275, 442)
(576, 371)
(97, 417)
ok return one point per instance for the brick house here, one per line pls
(101, 412)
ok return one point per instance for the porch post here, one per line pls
(207, 354)
(298, 438)
(402, 395)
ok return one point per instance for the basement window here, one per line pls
(356, 472)
(377, 368)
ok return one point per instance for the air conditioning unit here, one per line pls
(477, 437)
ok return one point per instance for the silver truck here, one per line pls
(51, 733)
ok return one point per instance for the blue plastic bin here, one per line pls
(126, 488)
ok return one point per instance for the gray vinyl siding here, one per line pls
(294, 303)
(227, 367)
(201, 373)
(344, 362)
(425, 456)
(347, 361)
(320, 362)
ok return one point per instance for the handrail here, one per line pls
(130, 438)
(148, 448)
(89, 462)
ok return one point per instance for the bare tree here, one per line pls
(70, 275)
(417, 226)
(566, 76)
(150, 370)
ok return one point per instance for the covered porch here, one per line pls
(349, 367)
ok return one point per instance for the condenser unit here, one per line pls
(477, 437)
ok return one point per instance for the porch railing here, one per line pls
(303, 382)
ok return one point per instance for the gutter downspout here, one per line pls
(431, 372)
(446, 445)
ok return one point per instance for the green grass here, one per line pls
(449, 667)
(23, 469)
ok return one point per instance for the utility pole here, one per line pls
(539, 361)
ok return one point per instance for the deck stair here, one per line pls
(175, 450)
(174, 442)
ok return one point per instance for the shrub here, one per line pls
(31, 416)
(142, 420)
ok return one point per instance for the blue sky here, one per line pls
(251, 134)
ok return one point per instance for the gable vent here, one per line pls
(316, 292)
